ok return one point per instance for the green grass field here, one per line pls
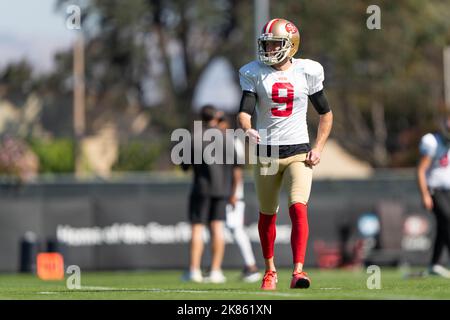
(166, 285)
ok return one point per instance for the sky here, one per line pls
(32, 30)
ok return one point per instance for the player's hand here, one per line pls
(313, 158)
(253, 135)
(233, 200)
(427, 202)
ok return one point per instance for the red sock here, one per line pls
(267, 233)
(300, 230)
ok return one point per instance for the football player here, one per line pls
(433, 177)
(276, 89)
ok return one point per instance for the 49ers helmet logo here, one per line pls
(291, 28)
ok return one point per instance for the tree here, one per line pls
(16, 80)
(152, 53)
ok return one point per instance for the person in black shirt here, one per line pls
(211, 189)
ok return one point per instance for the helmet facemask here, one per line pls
(273, 57)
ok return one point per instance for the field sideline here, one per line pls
(166, 285)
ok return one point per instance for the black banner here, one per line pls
(101, 226)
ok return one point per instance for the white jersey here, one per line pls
(438, 175)
(282, 98)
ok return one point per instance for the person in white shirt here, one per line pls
(433, 176)
(276, 89)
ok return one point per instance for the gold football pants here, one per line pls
(292, 172)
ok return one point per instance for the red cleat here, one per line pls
(300, 280)
(269, 281)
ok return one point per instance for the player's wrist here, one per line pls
(317, 149)
(251, 132)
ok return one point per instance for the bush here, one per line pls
(55, 156)
(137, 156)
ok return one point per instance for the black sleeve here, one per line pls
(320, 103)
(248, 102)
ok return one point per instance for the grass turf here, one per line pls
(167, 285)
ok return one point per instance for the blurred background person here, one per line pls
(207, 202)
(433, 174)
(235, 211)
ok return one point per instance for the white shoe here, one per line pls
(193, 276)
(251, 277)
(440, 271)
(216, 276)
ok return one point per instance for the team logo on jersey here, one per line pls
(291, 28)
(443, 161)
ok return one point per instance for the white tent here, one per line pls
(218, 86)
(336, 163)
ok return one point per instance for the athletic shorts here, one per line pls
(204, 209)
(271, 173)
